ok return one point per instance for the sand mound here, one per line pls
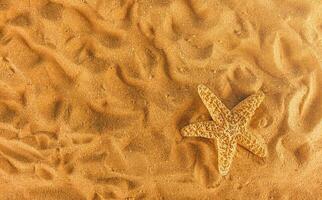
(93, 95)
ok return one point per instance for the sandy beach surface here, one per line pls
(94, 93)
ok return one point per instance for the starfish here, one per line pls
(228, 127)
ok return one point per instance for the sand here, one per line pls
(94, 93)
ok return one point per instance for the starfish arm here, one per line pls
(253, 143)
(207, 129)
(245, 110)
(216, 108)
(226, 152)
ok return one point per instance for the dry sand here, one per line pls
(93, 94)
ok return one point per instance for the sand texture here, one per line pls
(94, 95)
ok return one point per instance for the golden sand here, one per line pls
(94, 93)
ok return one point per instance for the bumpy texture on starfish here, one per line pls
(228, 127)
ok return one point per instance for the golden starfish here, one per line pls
(228, 127)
